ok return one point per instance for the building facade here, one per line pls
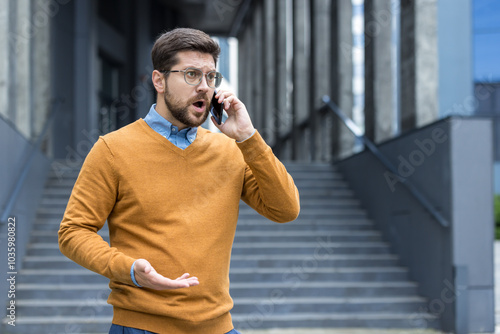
(72, 70)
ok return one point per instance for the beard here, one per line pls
(181, 113)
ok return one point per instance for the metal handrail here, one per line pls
(27, 165)
(349, 123)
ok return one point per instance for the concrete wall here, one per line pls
(450, 162)
(14, 150)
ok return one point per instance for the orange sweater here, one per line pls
(177, 209)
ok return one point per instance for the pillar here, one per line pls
(379, 85)
(4, 58)
(320, 67)
(341, 76)
(281, 107)
(269, 87)
(256, 75)
(22, 39)
(85, 106)
(419, 63)
(246, 53)
(300, 71)
(41, 63)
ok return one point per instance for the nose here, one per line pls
(203, 85)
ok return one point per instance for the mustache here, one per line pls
(203, 97)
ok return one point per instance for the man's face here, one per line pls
(188, 104)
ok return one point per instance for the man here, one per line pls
(170, 191)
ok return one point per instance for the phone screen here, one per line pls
(216, 110)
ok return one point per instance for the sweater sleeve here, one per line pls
(268, 188)
(92, 200)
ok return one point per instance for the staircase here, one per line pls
(328, 269)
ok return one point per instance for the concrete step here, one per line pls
(358, 274)
(298, 288)
(351, 274)
(254, 236)
(326, 227)
(315, 203)
(60, 276)
(52, 291)
(324, 209)
(330, 213)
(294, 166)
(294, 260)
(263, 319)
(285, 305)
(90, 322)
(63, 307)
(258, 220)
(50, 237)
(249, 261)
(318, 193)
(320, 184)
(318, 248)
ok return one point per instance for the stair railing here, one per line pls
(358, 133)
(28, 162)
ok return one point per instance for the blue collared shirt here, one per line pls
(181, 139)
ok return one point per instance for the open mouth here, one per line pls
(199, 105)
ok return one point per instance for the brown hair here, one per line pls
(168, 44)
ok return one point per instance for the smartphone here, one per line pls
(216, 109)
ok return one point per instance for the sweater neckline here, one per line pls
(165, 142)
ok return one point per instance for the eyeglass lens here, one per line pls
(193, 76)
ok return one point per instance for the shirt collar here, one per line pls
(165, 128)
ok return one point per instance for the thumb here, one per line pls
(143, 265)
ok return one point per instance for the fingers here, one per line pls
(227, 98)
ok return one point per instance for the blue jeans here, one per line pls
(117, 329)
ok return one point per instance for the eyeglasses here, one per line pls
(193, 76)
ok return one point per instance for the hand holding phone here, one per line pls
(217, 109)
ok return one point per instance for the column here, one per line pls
(242, 74)
(22, 39)
(143, 64)
(341, 76)
(320, 67)
(419, 63)
(256, 75)
(4, 58)
(41, 64)
(301, 55)
(282, 116)
(85, 108)
(379, 86)
(246, 82)
(269, 88)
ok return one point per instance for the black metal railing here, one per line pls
(349, 123)
(329, 105)
(28, 162)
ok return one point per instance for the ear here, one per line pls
(158, 81)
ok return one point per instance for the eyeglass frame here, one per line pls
(201, 78)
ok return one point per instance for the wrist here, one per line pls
(245, 135)
(132, 275)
